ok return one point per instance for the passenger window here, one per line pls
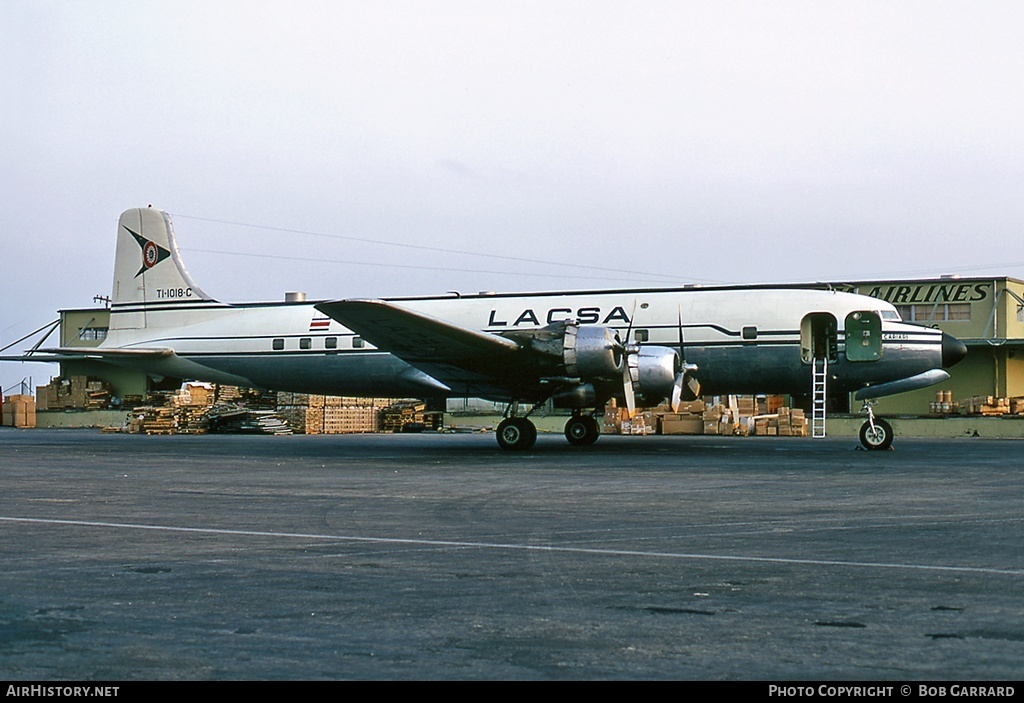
(641, 336)
(331, 343)
(750, 332)
(357, 342)
(278, 344)
(305, 343)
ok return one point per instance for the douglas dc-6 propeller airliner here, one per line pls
(578, 349)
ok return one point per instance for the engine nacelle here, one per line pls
(572, 350)
(591, 352)
(657, 369)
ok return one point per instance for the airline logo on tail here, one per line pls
(152, 253)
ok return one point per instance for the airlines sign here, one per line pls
(913, 293)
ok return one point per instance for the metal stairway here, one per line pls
(819, 373)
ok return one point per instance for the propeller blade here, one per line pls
(677, 391)
(629, 328)
(693, 384)
(629, 371)
(685, 376)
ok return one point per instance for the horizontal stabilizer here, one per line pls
(65, 353)
(72, 353)
(35, 358)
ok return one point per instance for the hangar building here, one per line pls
(986, 314)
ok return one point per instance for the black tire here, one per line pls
(516, 434)
(880, 438)
(582, 430)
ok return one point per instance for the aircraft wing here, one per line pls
(413, 336)
(457, 356)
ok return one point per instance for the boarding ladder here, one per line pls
(819, 372)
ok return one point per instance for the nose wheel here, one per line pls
(876, 437)
(875, 434)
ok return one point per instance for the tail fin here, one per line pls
(147, 269)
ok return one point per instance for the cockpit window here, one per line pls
(890, 315)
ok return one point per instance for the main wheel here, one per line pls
(582, 430)
(516, 434)
(878, 438)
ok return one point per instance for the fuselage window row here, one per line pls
(307, 343)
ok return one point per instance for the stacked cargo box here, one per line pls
(74, 393)
(991, 405)
(689, 419)
(347, 419)
(19, 411)
(612, 420)
(718, 419)
(406, 415)
(618, 421)
(152, 419)
(397, 415)
(319, 414)
(787, 422)
(726, 415)
(303, 412)
(191, 406)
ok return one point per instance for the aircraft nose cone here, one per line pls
(953, 350)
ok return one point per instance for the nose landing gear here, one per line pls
(875, 434)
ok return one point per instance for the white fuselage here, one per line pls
(744, 339)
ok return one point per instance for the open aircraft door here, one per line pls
(819, 346)
(819, 337)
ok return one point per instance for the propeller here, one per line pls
(630, 367)
(685, 376)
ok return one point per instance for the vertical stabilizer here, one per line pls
(147, 268)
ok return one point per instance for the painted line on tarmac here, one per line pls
(515, 547)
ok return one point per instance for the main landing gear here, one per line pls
(875, 433)
(516, 434)
(582, 430)
(519, 434)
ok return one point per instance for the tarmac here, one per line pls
(397, 557)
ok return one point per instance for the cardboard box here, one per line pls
(690, 407)
(18, 411)
(695, 426)
(25, 419)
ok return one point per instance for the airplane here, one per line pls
(578, 349)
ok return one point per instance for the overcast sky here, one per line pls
(590, 144)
